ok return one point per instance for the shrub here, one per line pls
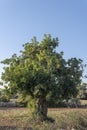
(4, 98)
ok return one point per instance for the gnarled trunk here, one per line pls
(41, 108)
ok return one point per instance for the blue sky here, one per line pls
(20, 20)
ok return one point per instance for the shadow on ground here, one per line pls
(14, 128)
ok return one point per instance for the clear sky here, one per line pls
(20, 20)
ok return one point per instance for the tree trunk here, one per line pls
(41, 108)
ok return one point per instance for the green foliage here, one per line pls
(4, 98)
(22, 100)
(4, 95)
(41, 72)
(1, 83)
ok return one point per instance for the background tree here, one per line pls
(42, 73)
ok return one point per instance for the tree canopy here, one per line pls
(42, 72)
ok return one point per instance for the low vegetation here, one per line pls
(65, 119)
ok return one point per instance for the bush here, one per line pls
(4, 98)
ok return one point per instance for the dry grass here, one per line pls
(14, 118)
(65, 119)
(83, 102)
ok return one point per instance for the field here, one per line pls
(83, 102)
(65, 119)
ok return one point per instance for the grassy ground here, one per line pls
(65, 119)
